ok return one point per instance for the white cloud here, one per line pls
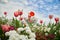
(55, 7)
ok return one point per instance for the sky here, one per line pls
(41, 8)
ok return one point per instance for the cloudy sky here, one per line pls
(42, 8)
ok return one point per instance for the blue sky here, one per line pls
(42, 8)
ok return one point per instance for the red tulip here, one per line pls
(41, 21)
(5, 28)
(16, 14)
(5, 13)
(29, 16)
(31, 13)
(50, 16)
(20, 12)
(56, 19)
(21, 18)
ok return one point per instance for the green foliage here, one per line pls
(3, 20)
(16, 23)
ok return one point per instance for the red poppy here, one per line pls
(5, 13)
(56, 19)
(31, 13)
(41, 21)
(50, 16)
(16, 14)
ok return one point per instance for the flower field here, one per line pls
(27, 28)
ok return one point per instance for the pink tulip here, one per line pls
(5, 27)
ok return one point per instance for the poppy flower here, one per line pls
(31, 13)
(56, 19)
(16, 14)
(5, 13)
(50, 16)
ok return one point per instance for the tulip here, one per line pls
(11, 28)
(50, 16)
(29, 16)
(41, 21)
(5, 28)
(5, 13)
(20, 12)
(31, 13)
(56, 19)
(21, 18)
(16, 14)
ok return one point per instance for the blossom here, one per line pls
(20, 12)
(5, 13)
(56, 19)
(13, 35)
(7, 33)
(20, 29)
(28, 31)
(5, 27)
(11, 28)
(46, 29)
(46, 34)
(20, 18)
(29, 16)
(16, 14)
(27, 28)
(32, 35)
(23, 37)
(31, 13)
(32, 39)
(41, 21)
(50, 16)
